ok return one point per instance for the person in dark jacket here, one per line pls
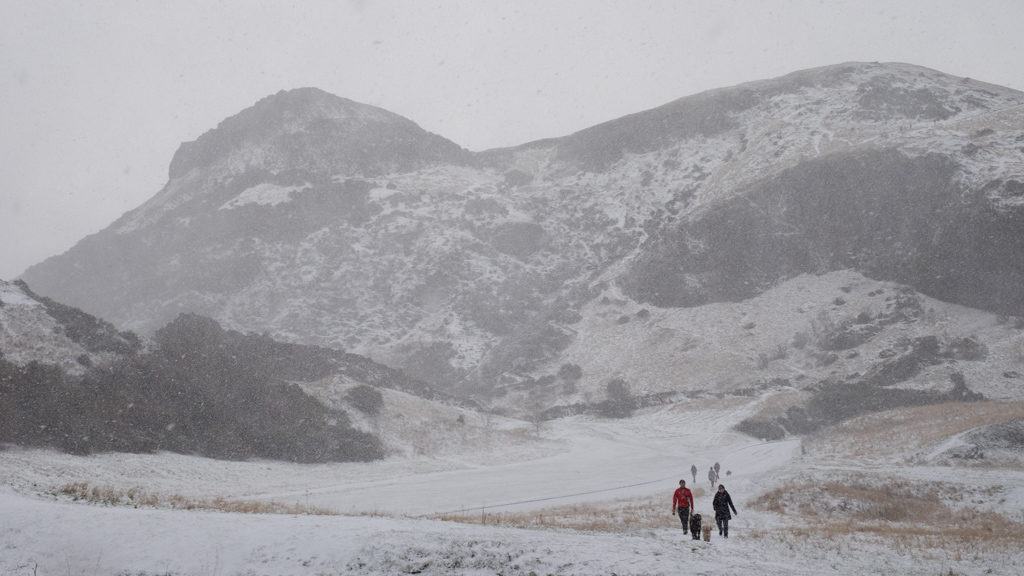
(722, 503)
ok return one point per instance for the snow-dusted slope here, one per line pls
(584, 497)
(28, 334)
(35, 330)
(474, 271)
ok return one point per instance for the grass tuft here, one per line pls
(617, 516)
(898, 509)
(137, 498)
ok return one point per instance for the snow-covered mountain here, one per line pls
(323, 221)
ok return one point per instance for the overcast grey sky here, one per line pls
(96, 96)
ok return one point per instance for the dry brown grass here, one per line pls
(613, 516)
(619, 518)
(898, 434)
(137, 497)
(913, 519)
(909, 512)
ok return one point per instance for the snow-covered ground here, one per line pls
(385, 514)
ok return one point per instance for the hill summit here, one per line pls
(309, 129)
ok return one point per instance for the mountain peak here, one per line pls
(342, 134)
(287, 106)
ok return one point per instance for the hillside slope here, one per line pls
(473, 271)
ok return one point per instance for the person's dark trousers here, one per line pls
(723, 527)
(684, 517)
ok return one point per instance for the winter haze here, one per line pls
(371, 319)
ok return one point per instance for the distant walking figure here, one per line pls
(682, 502)
(722, 503)
(712, 477)
(693, 470)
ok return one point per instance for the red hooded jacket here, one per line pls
(682, 498)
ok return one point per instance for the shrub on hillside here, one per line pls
(202, 390)
(619, 401)
(366, 399)
(761, 428)
(570, 372)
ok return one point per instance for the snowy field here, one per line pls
(394, 516)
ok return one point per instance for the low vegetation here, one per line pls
(617, 516)
(140, 498)
(201, 390)
(931, 514)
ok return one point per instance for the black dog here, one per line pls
(695, 522)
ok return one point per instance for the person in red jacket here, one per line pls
(682, 502)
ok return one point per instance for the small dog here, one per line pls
(707, 532)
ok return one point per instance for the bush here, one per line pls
(570, 372)
(763, 429)
(366, 399)
(800, 339)
(619, 402)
